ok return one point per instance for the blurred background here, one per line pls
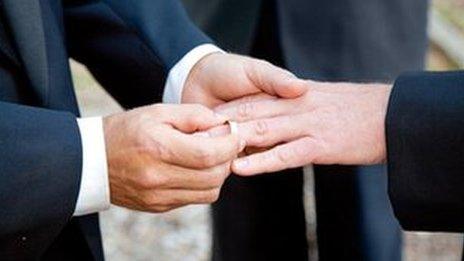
(185, 234)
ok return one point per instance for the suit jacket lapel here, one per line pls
(25, 21)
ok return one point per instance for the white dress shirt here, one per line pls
(94, 194)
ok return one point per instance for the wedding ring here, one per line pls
(233, 127)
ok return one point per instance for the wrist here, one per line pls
(384, 97)
(196, 77)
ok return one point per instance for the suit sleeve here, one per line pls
(129, 46)
(425, 144)
(40, 171)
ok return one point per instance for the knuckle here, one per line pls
(218, 177)
(206, 197)
(155, 181)
(191, 123)
(248, 99)
(215, 176)
(177, 201)
(145, 179)
(205, 157)
(283, 156)
(224, 170)
(212, 196)
(217, 181)
(265, 63)
(321, 153)
(261, 133)
(227, 169)
(150, 200)
(145, 134)
(261, 127)
(244, 109)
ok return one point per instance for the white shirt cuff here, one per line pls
(179, 73)
(94, 193)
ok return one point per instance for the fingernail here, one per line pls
(241, 163)
(242, 145)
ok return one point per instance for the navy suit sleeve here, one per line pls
(40, 171)
(425, 144)
(129, 46)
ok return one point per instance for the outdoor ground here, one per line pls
(185, 234)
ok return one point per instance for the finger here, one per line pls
(190, 117)
(266, 132)
(192, 151)
(218, 131)
(179, 197)
(290, 155)
(249, 109)
(274, 80)
(269, 132)
(190, 179)
(250, 98)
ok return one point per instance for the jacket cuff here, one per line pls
(94, 192)
(425, 146)
(41, 157)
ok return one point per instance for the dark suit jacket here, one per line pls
(124, 43)
(425, 143)
(326, 39)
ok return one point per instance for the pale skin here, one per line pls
(157, 162)
(332, 123)
(220, 78)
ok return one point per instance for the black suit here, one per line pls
(124, 43)
(333, 40)
(425, 145)
(425, 151)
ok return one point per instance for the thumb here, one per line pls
(276, 81)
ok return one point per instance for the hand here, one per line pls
(218, 78)
(331, 124)
(155, 162)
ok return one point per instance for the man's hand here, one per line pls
(219, 78)
(156, 163)
(337, 123)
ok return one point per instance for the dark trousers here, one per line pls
(262, 217)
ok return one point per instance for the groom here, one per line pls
(58, 170)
